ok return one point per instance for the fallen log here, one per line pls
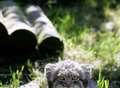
(3, 32)
(48, 39)
(21, 34)
(26, 34)
(4, 38)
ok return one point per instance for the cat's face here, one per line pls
(68, 82)
(68, 78)
(66, 74)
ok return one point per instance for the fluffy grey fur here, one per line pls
(68, 74)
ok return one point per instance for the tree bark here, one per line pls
(22, 37)
(48, 39)
(32, 31)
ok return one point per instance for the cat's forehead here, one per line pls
(68, 67)
(67, 64)
(67, 73)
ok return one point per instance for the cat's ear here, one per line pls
(50, 71)
(88, 74)
(87, 71)
(81, 74)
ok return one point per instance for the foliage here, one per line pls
(16, 77)
(80, 23)
(101, 82)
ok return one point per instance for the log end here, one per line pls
(23, 41)
(51, 47)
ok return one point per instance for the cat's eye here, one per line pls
(76, 81)
(76, 78)
(61, 78)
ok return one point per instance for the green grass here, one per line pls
(16, 76)
(86, 40)
(14, 80)
(102, 82)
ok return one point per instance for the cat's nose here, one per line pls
(68, 85)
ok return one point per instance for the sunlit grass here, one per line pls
(102, 82)
(83, 42)
(86, 44)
